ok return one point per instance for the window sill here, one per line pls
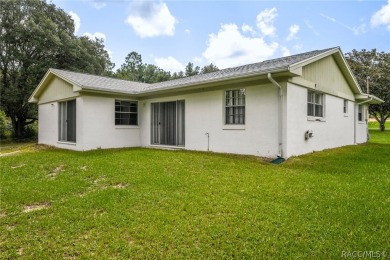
(361, 122)
(233, 127)
(345, 115)
(318, 119)
(126, 127)
(65, 142)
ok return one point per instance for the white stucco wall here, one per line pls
(99, 125)
(204, 113)
(336, 130)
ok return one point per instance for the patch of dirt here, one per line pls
(18, 166)
(84, 168)
(55, 172)
(20, 251)
(11, 227)
(58, 169)
(3, 215)
(99, 180)
(40, 147)
(120, 186)
(35, 207)
(9, 154)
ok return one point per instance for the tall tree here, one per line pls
(153, 74)
(373, 68)
(132, 69)
(135, 70)
(178, 75)
(190, 70)
(35, 36)
(209, 68)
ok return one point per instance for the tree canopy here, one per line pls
(35, 36)
(135, 70)
(373, 67)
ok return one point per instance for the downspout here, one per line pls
(354, 125)
(280, 116)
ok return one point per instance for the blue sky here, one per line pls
(170, 34)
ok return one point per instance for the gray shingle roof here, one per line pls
(255, 68)
(89, 81)
(123, 86)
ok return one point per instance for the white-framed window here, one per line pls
(126, 112)
(235, 107)
(315, 104)
(67, 121)
(345, 106)
(360, 113)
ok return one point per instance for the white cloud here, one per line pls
(357, 30)
(265, 21)
(382, 16)
(98, 5)
(298, 46)
(76, 20)
(247, 28)
(151, 19)
(187, 31)
(231, 48)
(285, 52)
(169, 64)
(98, 35)
(361, 29)
(197, 60)
(293, 32)
(312, 28)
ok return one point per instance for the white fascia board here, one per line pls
(374, 99)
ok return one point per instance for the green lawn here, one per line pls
(147, 203)
(374, 125)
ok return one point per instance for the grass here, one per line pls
(147, 203)
(374, 125)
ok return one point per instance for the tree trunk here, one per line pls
(382, 126)
(18, 125)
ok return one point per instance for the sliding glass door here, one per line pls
(168, 123)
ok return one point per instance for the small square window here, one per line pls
(126, 112)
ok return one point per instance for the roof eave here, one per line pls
(371, 98)
(109, 92)
(241, 77)
(34, 98)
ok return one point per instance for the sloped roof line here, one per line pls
(90, 81)
(108, 84)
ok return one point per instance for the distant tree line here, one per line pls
(134, 69)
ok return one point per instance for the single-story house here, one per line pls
(275, 108)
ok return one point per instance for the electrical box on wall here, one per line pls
(309, 134)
